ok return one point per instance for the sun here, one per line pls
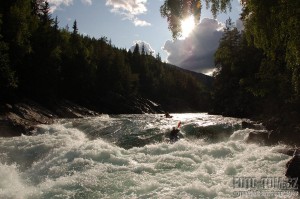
(187, 26)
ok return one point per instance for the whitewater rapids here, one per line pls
(129, 156)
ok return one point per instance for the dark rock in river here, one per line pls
(285, 128)
(289, 151)
(293, 171)
(293, 167)
(261, 137)
(252, 125)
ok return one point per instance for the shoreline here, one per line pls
(22, 117)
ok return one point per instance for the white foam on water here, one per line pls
(60, 161)
(12, 185)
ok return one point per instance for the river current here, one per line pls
(130, 156)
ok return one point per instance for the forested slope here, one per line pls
(45, 63)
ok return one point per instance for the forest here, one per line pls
(260, 65)
(45, 63)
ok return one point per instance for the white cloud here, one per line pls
(196, 52)
(138, 22)
(59, 2)
(148, 49)
(130, 9)
(55, 4)
(133, 7)
(87, 2)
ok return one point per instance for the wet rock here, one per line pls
(252, 125)
(289, 151)
(261, 137)
(23, 117)
(68, 109)
(293, 170)
(146, 106)
(9, 129)
(285, 126)
(114, 103)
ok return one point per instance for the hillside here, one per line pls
(47, 64)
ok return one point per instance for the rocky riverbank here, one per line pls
(23, 117)
(279, 129)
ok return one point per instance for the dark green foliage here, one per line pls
(8, 80)
(51, 63)
(274, 28)
(237, 63)
(258, 69)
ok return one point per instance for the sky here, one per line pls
(127, 22)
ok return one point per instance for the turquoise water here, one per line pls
(130, 156)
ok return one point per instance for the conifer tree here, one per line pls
(75, 28)
(136, 49)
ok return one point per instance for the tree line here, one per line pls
(46, 63)
(258, 69)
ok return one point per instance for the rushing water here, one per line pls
(129, 156)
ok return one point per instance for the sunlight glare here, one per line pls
(187, 26)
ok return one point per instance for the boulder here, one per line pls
(289, 151)
(293, 170)
(260, 137)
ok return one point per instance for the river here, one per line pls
(130, 156)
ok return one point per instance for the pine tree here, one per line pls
(75, 29)
(56, 24)
(136, 49)
(143, 49)
(158, 58)
(45, 13)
